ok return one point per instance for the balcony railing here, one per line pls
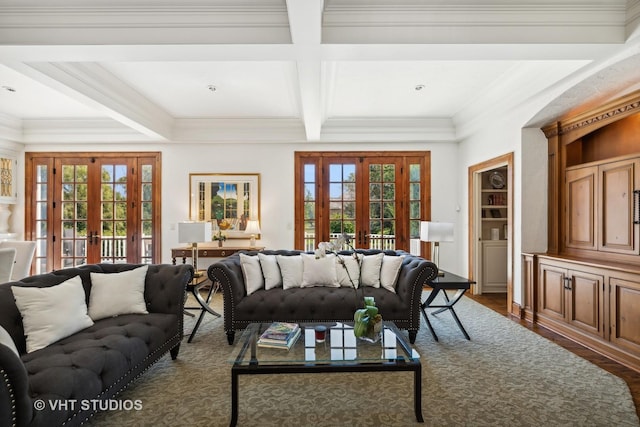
(376, 241)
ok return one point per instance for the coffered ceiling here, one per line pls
(81, 71)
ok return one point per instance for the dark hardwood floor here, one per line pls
(498, 303)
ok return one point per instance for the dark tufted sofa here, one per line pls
(94, 364)
(320, 304)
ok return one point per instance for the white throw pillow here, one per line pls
(117, 293)
(291, 268)
(319, 271)
(6, 339)
(252, 272)
(390, 271)
(351, 265)
(371, 267)
(50, 314)
(270, 271)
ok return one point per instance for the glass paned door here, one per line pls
(342, 199)
(110, 238)
(72, 216)
(93, 208)
(377, 199)
(382, 184)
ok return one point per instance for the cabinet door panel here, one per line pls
(551, 292)
(617, 182)
(585, 302)
(625, 313)
(581, 208)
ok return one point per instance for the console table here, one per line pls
(209, 252)
(448, 281)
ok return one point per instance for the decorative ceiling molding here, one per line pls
(136, 24)
(79, 131)
(624, 107)
(384, 129)
(633, 18)
(566, 22)
(43, 43)
(10, 128)
(238, 130)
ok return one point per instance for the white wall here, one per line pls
(488, 143)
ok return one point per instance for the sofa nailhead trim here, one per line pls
(5, 377)
(162, 350)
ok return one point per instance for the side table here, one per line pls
(194, 287)
(201, 279)
(443, 283)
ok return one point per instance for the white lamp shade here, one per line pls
(194, 232)
(436, 231)
(253, 227)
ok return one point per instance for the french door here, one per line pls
(93, 208)
(377, 199)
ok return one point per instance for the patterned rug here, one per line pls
(505, 376)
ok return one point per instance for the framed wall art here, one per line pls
(8, 190)
(227, 200)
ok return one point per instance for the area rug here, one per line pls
(505, 375)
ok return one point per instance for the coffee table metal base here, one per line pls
(395, 365)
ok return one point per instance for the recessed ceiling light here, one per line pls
(8, 88)
(419, 87)
(212, 88)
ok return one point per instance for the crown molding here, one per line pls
(387, 129)
(239, 130)
(633, 18)
(145, 24)
(568, 22)
(620, 108)
(10, 128)
(79, 131)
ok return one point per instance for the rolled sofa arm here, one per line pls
(16, 406)
(414, 274)
(165, 286)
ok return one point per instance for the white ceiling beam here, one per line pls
(305, 22)
(96, 88)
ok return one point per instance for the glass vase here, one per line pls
(373, 331)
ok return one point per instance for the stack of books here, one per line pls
(280, 335)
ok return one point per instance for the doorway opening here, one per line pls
(491, 229)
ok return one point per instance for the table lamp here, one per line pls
(194, 232)
(436, 232)
(253, 228)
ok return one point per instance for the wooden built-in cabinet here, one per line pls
(587, 285)
(571, 295)
(599, 206)
(595, 304)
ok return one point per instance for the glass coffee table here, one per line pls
(341, 352)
